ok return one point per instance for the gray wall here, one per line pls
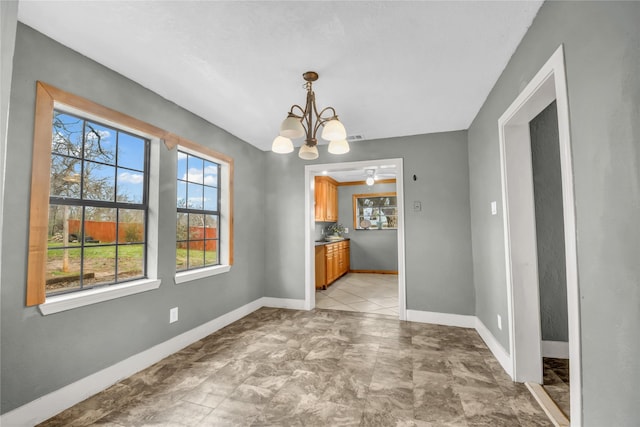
(602, 57)
(40, 354)
(547, 189)
(437, 243)
(8, 23)
(370, 249)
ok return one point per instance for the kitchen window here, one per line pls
(375, 211)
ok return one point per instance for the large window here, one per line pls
(97, 205)
(198, 212)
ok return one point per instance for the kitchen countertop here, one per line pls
(326, 242)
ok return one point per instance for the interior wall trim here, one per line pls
(447, 319)
(375, 271)
(57, 401)
(556, 349)
(499, 352)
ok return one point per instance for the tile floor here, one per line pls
(278, 367)
(362, 292)
(556, 382)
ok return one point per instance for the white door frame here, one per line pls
(519, 228)
(310, 171)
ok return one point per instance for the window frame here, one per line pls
(225, 211)
(49, 97)
(83, 202)
(356, 210)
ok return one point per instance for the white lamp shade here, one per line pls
(292, 128)
(333, 130)
(282, 145)
(340, 146)
(308, 153)
(370, 180)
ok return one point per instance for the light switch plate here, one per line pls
(173, 315)
(494, 208)
(417, 206)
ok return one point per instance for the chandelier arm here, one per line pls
(335, 115)
(302, 113)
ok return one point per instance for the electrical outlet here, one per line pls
(499, 322)
(346, 230)
(494, 208)
(173, 315)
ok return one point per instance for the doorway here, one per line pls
(310, 232)
(521, 258)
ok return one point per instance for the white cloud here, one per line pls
(181, 155)
(131, 178)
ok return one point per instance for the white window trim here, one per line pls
(64, 302)
(57, 303)
(224, 226)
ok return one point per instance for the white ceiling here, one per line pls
(389, 68)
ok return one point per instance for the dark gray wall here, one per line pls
(547, 189)
(370, 249)
(40, 354)
(437, 242)
(602, 57)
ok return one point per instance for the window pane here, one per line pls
(130, 226)
(181, 256)
(182, 226)
(182, 166)
(100, 143)
(194, 192)
(67, 135)
(99, 225)
(101, 261)
(99, 182)
(211, 252)
(196, 254)
(210, 173)
(130, 261)
(130, 186)
(64, 226)
(196, 226)
(130, 151)
(196, 166)
(210, 199)
(65, 177)
(63, 270)
(181, 201)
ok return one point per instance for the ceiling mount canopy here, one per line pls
(306, 122)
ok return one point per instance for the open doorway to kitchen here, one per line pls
(373, 279)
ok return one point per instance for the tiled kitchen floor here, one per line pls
(278, 367)
(362, 292)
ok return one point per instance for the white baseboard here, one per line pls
(556, 349)
(295, 304)
(503, 357)
(57, 401)
(446, 319)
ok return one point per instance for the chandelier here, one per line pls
(302, 124)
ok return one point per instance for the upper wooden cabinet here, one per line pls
(326, 198)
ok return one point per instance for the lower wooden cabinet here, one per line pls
(332, 262)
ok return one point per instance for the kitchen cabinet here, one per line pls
(326, 199)
(332, 262)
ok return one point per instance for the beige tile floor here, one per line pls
(361, 292)
(279, 367)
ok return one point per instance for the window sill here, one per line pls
(56, 304)
(187, 276)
